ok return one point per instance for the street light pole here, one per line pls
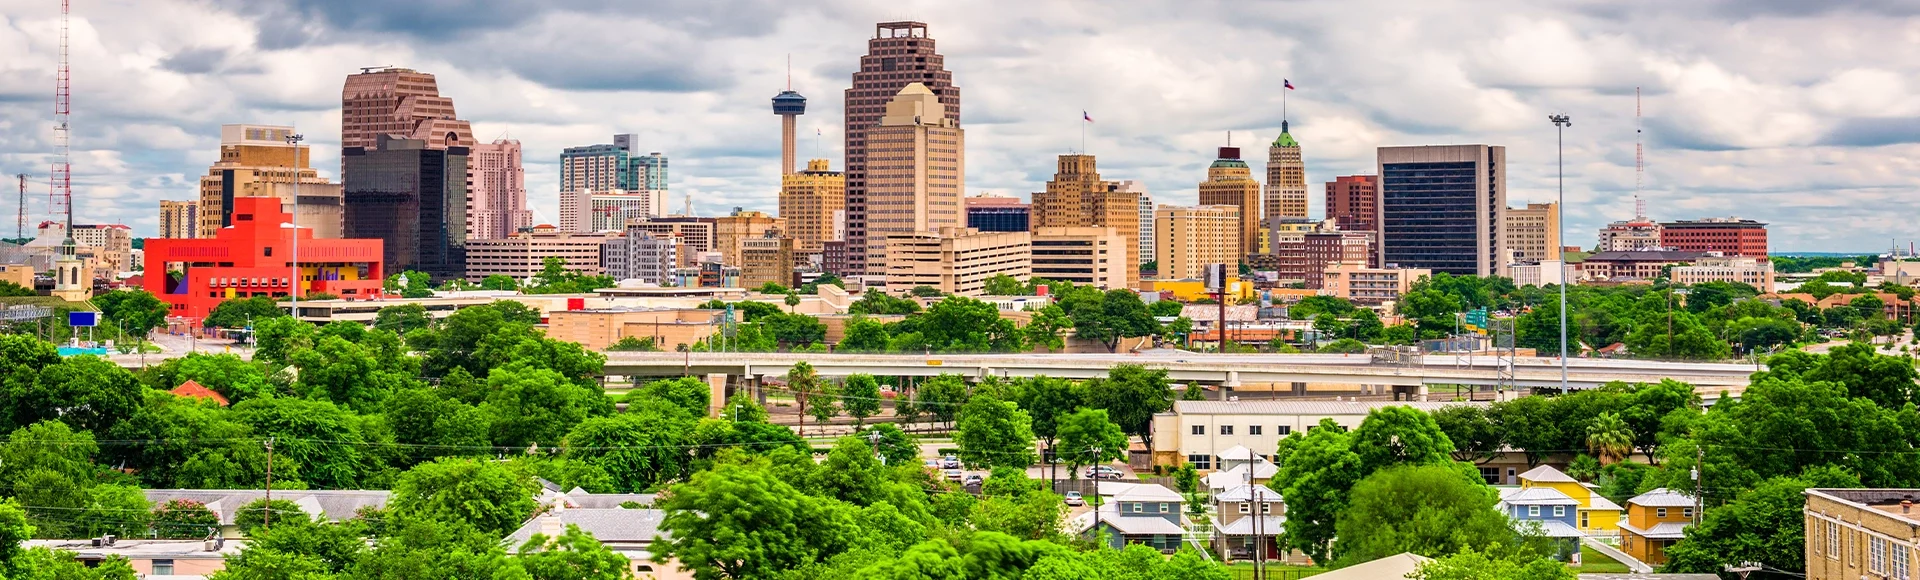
(1560, 124)
(293, 293)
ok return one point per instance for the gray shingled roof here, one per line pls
(610, 526)
(333, 504)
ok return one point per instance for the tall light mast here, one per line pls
(61, 195)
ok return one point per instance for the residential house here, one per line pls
(627, 532)
(1862, 533)
(330, 505)
(1146, 514)
(153, 559)
(1595, 515)
(1655, 520)
(1248, 516)
(1550, 509)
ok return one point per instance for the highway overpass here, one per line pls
(1231, 370)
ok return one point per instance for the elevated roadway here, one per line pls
(1231, 370)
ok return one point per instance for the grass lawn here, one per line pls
(1594, 562)
(1276, 571)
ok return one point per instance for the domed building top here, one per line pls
(1285, 139)
(789, 103)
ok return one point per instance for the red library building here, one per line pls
(254, 257)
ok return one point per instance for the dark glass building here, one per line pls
(1442, 207)
(999, 218)
(412, 198)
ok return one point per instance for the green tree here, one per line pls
(1430, 510)
(8, 289)
(1397, 435)
(1468, 564)
(994, 433)
(1088, 438)
(241, 312)
(740, 521)
(402, 318)
(499, 282)
(85, 392)
(688, 393)
(961, 324)
(896, 446)
(1764, 524)
(860, 398)
(1609, 438)
(793, 330)
(1343, 346)
(1116, 315)
(877, 302)
(316, 439)
(528, 406)
(1472, 431)
(1048, 327)
(639, 449)
(574, 555)
(1193, 392)
(924, 292)
(1690, 340)
(634, 344)
(233, 377)
(1132, 394)
(135, 312)
(251, 517)
(772, 288)
(807, 388)
(1317, 468)
(864, 335)
(1312, 307)
(488, 495)
(1754, 334)
(184, 519)
(1004, 285)
(1434, 310)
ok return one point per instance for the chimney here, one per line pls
(1906, 506)
(550, 525)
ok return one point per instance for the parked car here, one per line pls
(932, 463)
(955, 475)
(973, 480)
(1104, 472)
(950, 462)
(1073, 498)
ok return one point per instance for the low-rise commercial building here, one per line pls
(1087, 256)
(1188, 239)
(1197, 432)
(1754, 272)
(766, 259)
(599, 328)
(730, 232)
(1638, 265)
(1366, 286)
(1862, 533)
(524, 254)
(1542, 273)
(955, 260)
(643, 256)
(1729, 236)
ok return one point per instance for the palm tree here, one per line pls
(1609, 438)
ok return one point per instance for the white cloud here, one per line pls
(1791, 114)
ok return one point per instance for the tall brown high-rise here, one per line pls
(1076, 197)
(398, 101)
(1286, 178)
(899, 54)
(1350, 202)
(917, 174)
(1230, 182)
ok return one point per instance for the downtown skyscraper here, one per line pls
(899, 54)
(1076, 197)
(1286, 178)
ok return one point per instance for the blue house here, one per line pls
(1146, 514)
(1550, 509)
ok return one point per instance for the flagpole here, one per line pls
(1083, 132)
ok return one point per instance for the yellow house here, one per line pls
(1595, 515)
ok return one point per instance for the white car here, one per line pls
(955, 475)
(1074, 499)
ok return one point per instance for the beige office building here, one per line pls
(179, 219)
(107, 248)
(814, 203)
(1356, 283)
(915, 173)
(1710, 268)
(1087, 256)
(606, 210)
(768, 258)
(523, 255)
(1077, 198)
(730, 232)
(1230, 182)
(956, 260)
(695, 233)
(257, 161)
(1533, 232)
(1190, 238)
(1286, 178)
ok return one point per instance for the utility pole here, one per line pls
(1560, 123)
(1259, 529)
(1699, 460)
(1095, 450)
(20, 221)
(267, 516)
(874, 436)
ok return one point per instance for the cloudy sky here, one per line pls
(1798, 113)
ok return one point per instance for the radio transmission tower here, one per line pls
(61, 197)
(1639, 160)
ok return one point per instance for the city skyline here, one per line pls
(1728, 132)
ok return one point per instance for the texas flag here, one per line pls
(1288, 83)
(1087, 117)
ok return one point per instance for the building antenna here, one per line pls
(20, 224)
(61, 196)
(789, 71)
(1639, 161)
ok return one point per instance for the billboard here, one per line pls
(83, 319)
